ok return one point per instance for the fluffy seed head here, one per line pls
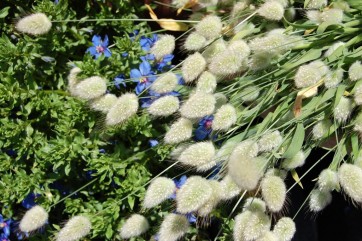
(358, 94)
(163, 46)
(328, 181)
(259, 61)
(206, 83)
(215, 198)
(306, 76)
(193, 194)
(173, 227)
(350, 178)
(77, 227)
(34, 24)
(73, 80)
(245, 172)
(164, 106)
(254, 204)
(179, 3)
(318, 200)
(270, 141)
(180, 131)
(294, 162)
(210, 27)
(104, 103)
(358, 124)
(316, 3)
(274, 192)
(271, 10)
(159, 190)
(321, 129)
(199, 155)
(314, 16)
(193, 66)
(229, 188)
(165, 83)
(238, 8)
(333, 79)
(34, 218)
(321, 66)
(224, 118)
(194, 42)
(343, 110)
(268, 236)
(358, 160)
(355, 71)
(91, 88)
(125, 107)
(226, 63)
(134, 226)
(240, 47)
(251, 225)
(333, 48)
(276, 172)
(250, 93)
(271, 45)
(332, 16)
(221, 100)
(284, 229)
(214, 49)
(198, 105)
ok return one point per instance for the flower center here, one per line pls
(143, 80)
(208, 124)
(2, 225)
(99, 49)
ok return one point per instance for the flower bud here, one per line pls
(193, 194)
(350, 178)
(284, 229)
(180, 131)
(210, 27)
(34, 218)
(163, 46)
(159, 190)
(271, 10)
(198, 105)
(91, 88)
(134, 226)
(165, 83)
(34, 24)
(192, 67)
(104, 103)
(77, 227)
(294, 162)
(274, 192)
(206, 83)
(328, 181)
(355, 71)
(194, 42)
(125, 107)
(270, 141)
(318, 200)
(173, 227)
(343, 110)
(224, 118)
(306, 76)
(199, 155)
(164, 106)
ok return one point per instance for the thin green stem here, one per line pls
(124, 19)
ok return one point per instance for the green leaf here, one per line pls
(354, 144)
(312, 54)
(296, 178)
(4, 12)
(296, 143)
(340, 91)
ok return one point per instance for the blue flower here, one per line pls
(99, 47)
(164, 62)
(3, 237)
(153, 143)
(147, 43)
(204, 130)
(143, 76)
(147, 101)
(148, 57)
(5, 226)
(191, 218)
(29, 201)
(215, 171)
(179, 183)
(119, 80)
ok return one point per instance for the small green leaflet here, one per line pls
(296, 143)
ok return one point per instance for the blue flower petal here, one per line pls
(105, 42)
(135, 75)
(145, 68)
(107, 53)
(153, 143)
(96, 40)
(140, 87)
(92, 50)
(180, 182)
(201, 133)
